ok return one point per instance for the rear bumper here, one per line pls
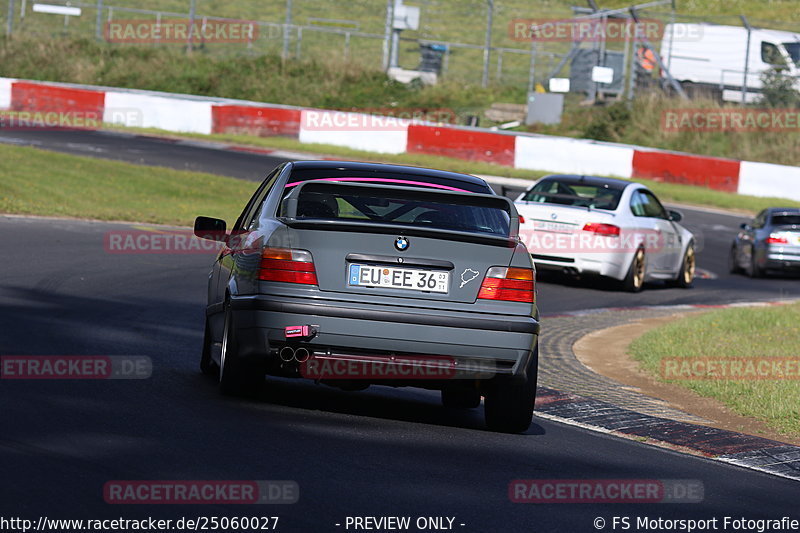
(781, 259)
(600, 264)
(502, 342)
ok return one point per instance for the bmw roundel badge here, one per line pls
(401, 243)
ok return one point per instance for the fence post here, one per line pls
(387, 34)
(346, 46)
(299, 42)
(189, 43)
(632, 65)
(746, 58)
(99, 21)
(532, 67)
(286, 28)
(626, 54)
(10, 21)
(488, 45)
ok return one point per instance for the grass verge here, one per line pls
(752, 333)
(38, 182)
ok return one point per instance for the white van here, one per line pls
(710, 58)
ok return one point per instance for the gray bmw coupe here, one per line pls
(353, 274)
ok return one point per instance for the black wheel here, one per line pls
(733, 261)
(237, 377)
(753, 270)
(508, 408)
(461, 398)
(688, 265)
(635, 278)
(207, 364)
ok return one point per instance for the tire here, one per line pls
(733, 264)
(207, 364)
(237, 377)
(461, 398)
(508, 408)
(634, 280)
(685, 276)
(753, 270)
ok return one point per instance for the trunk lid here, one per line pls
(377, 240)
(544, 222)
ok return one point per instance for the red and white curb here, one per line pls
(206, 115)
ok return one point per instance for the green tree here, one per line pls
(778, 89)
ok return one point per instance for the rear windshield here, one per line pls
(786, 220)
(574, 192)
(368, 206)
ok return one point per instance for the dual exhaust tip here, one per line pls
(290, 354)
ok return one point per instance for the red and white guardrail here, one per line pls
(195, 114)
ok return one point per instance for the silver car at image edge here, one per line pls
(354, 274)
(618, 229)
(768, 242)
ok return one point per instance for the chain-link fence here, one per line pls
(469, 41)
(453, 38)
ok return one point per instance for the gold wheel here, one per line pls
(689, 266)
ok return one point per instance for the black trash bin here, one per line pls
(431, 57)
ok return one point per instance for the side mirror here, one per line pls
(675, 216)
(212, 229)
(744, 225)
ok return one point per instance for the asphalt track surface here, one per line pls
(381, 452)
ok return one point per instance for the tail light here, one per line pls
(509, 284)
(289, 266)
(602, 229)
(773, 239)
(521, 219)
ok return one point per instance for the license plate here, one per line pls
(399, 278)
(546, 225)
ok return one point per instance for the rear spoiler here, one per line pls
(289, 203)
